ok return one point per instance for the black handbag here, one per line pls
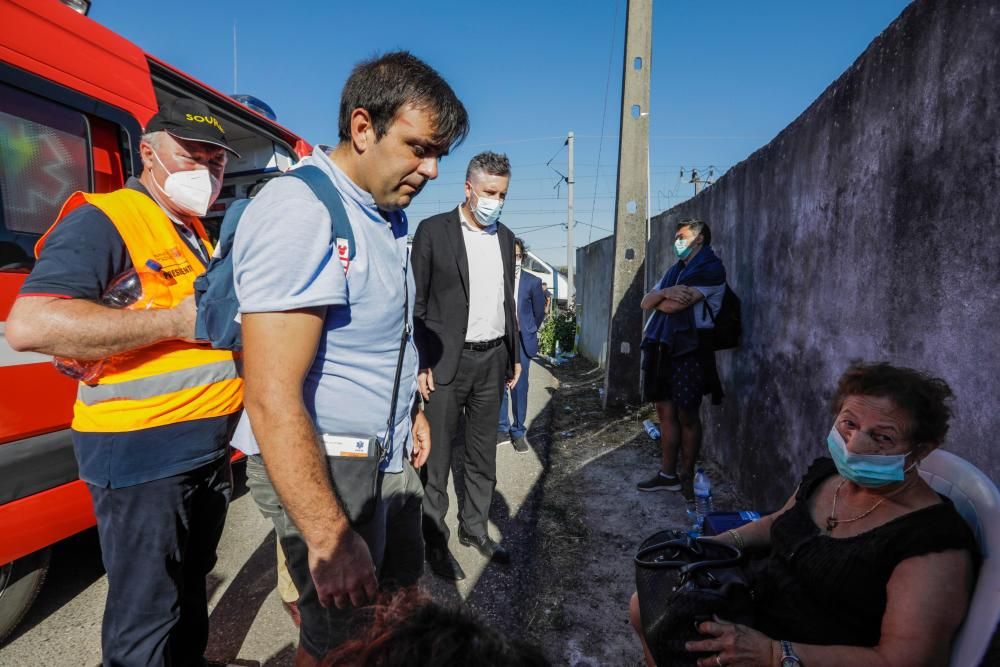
(682, 581)
(354, 464)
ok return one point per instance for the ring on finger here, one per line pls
(718, 659)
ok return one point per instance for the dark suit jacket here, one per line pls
(441, 311)
(530, 311)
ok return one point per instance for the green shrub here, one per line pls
(559, 326)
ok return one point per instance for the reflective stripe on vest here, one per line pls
(165, 383)
(171, 381)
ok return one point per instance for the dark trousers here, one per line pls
(158, 542)
(476, 391)
(518, 403)
(394, 542)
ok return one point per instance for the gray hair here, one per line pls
(697, 227)
(152, 138)
(488, 162)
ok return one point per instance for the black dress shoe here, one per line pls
(486, 546)
(444, 565)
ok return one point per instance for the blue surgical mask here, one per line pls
(487, 211)
(682, 248)
(868, 470)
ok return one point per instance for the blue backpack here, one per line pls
(215, 295)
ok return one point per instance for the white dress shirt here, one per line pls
(486, 313)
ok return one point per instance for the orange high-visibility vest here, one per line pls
(171, 381)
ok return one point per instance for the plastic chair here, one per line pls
(976, 498)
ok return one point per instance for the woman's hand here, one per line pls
(733, 645)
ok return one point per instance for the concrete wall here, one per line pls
(867, 229)
(594, 264)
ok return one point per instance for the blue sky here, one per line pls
(726, 77)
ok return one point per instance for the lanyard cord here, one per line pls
(391, 423)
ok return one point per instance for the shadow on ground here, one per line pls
(74, 567)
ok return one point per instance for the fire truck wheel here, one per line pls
(20, 582)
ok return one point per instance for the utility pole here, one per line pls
(570, 250)
(696, 180)
(621, 379)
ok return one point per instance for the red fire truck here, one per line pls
(73, 99)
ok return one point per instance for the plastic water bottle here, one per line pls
(652, 430)
(702, 496)
(694, 522)
(123, 291)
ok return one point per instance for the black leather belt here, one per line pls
(482, 346)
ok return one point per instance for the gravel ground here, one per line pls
(591, 521)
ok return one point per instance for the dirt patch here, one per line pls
(591, 519)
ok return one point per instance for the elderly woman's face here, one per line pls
(874, 425)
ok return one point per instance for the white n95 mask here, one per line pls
(190, 191)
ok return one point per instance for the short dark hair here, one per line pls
(488, 162)
(923, 397)
(385, 84)
(408, 628)
(698, 227)
(519, 243)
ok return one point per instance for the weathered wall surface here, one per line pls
(868, 229)
(594, 264)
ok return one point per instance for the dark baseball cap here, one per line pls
(186, 118)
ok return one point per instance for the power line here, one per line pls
(515, 141)
(655, 169)
(562, 176)
(532, 231)
(593, 227)
(604, 116)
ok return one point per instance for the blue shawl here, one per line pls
(678, 330)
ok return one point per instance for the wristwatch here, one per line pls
(788, 657)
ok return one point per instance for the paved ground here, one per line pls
(248, 624)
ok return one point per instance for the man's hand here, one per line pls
(512, 380)
(182, 323)
(344, 574)
(425, 383)
(421, 440)
(678, 293)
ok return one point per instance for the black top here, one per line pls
(824, 590)
(81, 256)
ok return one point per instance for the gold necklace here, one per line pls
(832, 521)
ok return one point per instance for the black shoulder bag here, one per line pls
(354, 460)
(728, 324)
(682, 581)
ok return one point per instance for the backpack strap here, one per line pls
(323, 188)
(227, 231)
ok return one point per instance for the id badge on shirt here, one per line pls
(352, 446)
